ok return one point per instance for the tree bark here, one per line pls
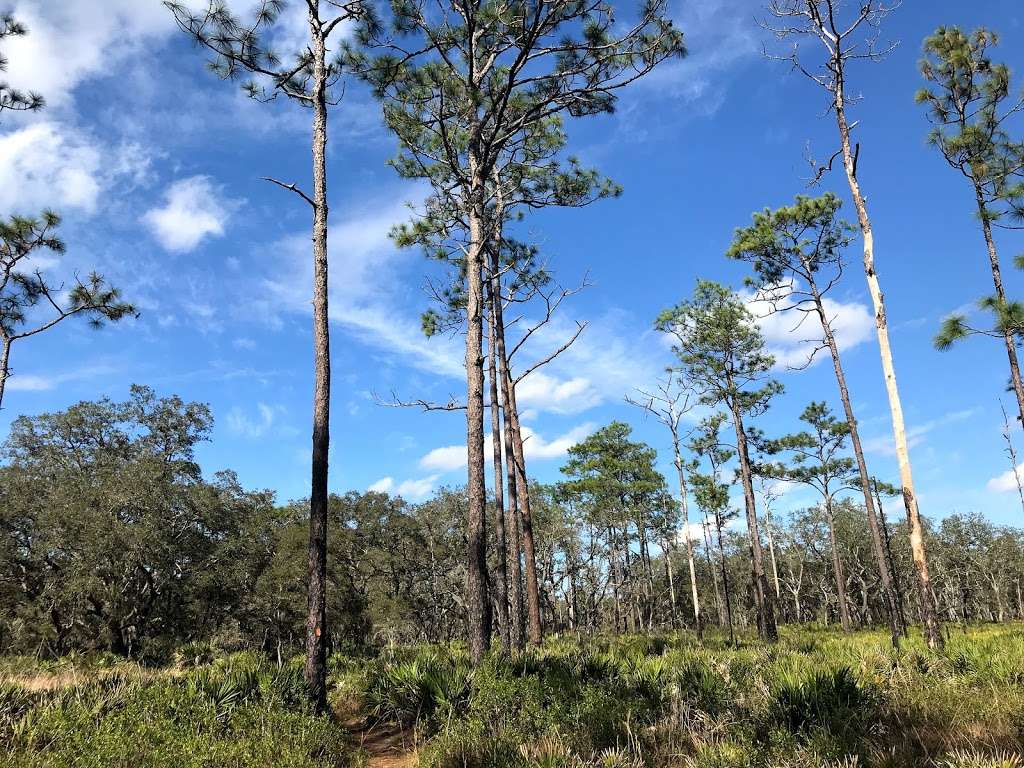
(930, 619)
(526, 515)
(316, 620)
(501, 555)
(765, 603)
(478, 625)
(997, 283)
(513, 535)
(897, 629)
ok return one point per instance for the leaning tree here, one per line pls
(846, 33)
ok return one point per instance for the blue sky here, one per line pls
(156, 165)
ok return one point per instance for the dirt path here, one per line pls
(386, 745)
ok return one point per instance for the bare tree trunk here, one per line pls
(529, 547)
(478, 623)
(837, 568)
(889, 594)
(316, 620)
(517, 619)
(5, 367)
(685, 507)
(997, 283)
(930, 619)
(501, 572)
(763, 597)
(891, 561)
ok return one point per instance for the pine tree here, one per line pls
(969, 105)
(722, 353)
(797, 255)
(473, 81)
(309, 78)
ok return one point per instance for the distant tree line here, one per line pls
(112, 540)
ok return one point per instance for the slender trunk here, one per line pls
(1011, 452)
(316, 620)
(1009, 335)
(478, 623)
(501, 572)
(762, 595)
(685, 507)
(891, 561)
(529, 547)
(771, 552)
(837, 567)
(888, 577)
(517, 619)
(5, 367)
(930, 619)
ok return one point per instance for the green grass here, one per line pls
(818, 698)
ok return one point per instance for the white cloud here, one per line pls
(446, 459)
(535, 447)
(46, 165)
(241, 423)
(453, 457)
(792, 336)
(542, 391)
(193, 209)
(410, 490)
(71, 41)
(244, 343)
(49, 164)
(1007, 481)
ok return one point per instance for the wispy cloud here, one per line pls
(884, 444)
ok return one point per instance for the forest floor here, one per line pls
(817, 699)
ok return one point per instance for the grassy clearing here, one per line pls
(816, 699)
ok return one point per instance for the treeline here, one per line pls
(112, 540)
